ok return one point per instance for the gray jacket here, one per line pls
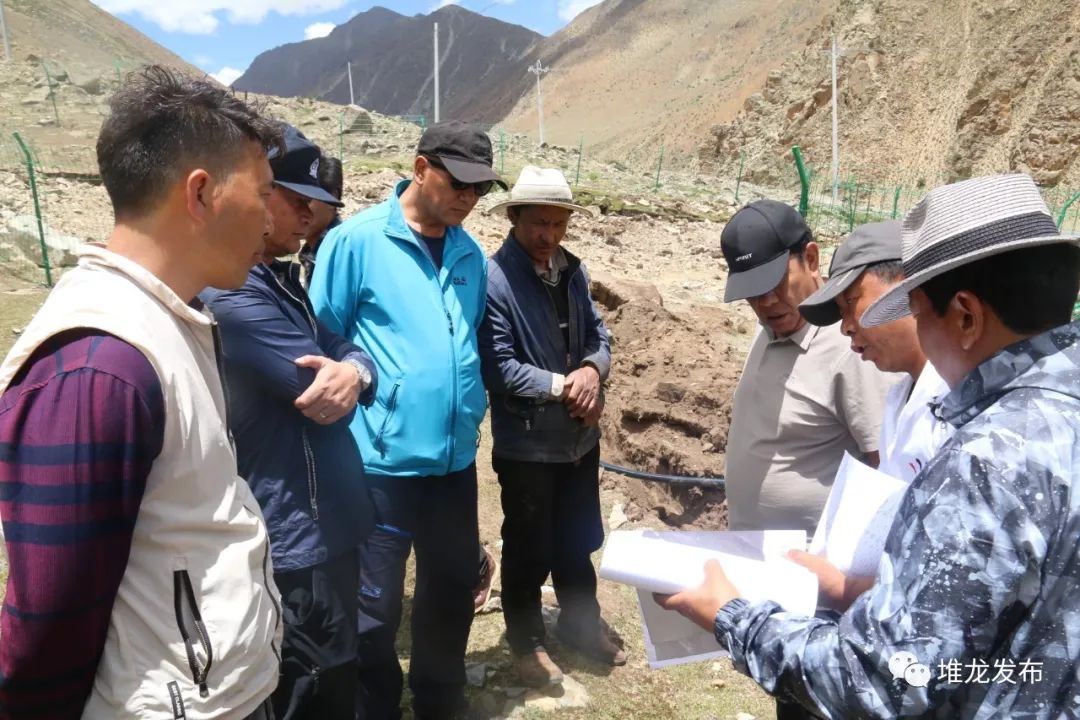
(521, 346)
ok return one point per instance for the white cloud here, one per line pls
(227, 75)
(442, 4)
(318, 30)
(202, 17)
(570, 9)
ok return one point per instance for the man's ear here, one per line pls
(420, 166)
(197, 189)
(969, 318)
(812, 255)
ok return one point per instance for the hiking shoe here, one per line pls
(598, 646)
(487, 579)
(537, 669)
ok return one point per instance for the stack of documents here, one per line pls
(670, 561)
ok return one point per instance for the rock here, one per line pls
(476, 674)
(617, 518)
(22, 232)
(513, 692)
(357, 121)
(90, 83)
(37, 96)
(571, 694)
(612, 292)
(745, 716)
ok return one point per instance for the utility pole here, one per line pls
(835, 135)
(4, 32)
(352, 100)
(436, 72)
(539, 70)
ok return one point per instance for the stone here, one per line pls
(617, 518)
(37, 96)
(22, 232)
(476, 674)
(570, 694)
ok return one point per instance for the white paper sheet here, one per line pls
(670, 561)
(857, 517)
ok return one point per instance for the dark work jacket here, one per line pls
(521, 345)
(308, 478)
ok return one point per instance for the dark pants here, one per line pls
(437, 516)
(318, 650)
(263, 712)
(551, 524)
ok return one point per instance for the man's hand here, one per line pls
(582, 391)
(333, 393)
(592, 419)
(835, 589)
(701, 604)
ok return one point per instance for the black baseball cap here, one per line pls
(756, 243)
(867, 245)
(298, 168)
(463, 149)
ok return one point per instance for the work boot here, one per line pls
(487, 579)
(598, 646)
(537, 669)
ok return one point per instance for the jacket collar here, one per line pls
(97, 256)
(520, 258)
(801, 337)
(458, 242)
(1050, 361)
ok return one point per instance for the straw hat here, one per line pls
(958, 224)
(540, 186)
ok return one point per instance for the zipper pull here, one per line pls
(204, 691)
(450, 322)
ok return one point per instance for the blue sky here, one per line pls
(224, 36)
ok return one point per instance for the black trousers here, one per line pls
(437, 517)
(318, 650)
(551, 524)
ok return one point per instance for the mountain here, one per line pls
(391, 57)
(79, 33)
(630, 75)
(928, 92)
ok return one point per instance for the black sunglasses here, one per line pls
(481, 188)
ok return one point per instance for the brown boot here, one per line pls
(537, 669)
(597, 646)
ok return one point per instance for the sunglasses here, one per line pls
(481, 188)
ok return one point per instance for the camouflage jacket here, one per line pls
(976, 610)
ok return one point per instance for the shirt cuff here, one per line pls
(727, 618)
(558, 382)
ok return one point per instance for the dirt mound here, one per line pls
(669, 405)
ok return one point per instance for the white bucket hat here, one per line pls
(958, 224)
(540, 186)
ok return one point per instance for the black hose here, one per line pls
(705, 482)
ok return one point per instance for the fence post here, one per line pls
(116, 66)
(502, 151)
(1065, 209)
(341, 136)
(804, 181)
(895, 201)
(37, 207)
(52, 95)
(853, 188)
(580, 148)
(659, 165)
(738, 178)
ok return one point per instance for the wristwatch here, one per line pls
(362, 371)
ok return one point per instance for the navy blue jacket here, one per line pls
(308, 478)
(521, 345)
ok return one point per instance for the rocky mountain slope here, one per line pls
(392, 66)
(928, 92)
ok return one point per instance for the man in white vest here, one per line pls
(140, 579)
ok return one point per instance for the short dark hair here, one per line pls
(330, 176)
(799, 248)
(1032, 289)
(889, 271)
(163, 123)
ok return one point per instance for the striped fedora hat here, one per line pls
(958, 224)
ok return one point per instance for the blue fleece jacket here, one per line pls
(377, 286)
